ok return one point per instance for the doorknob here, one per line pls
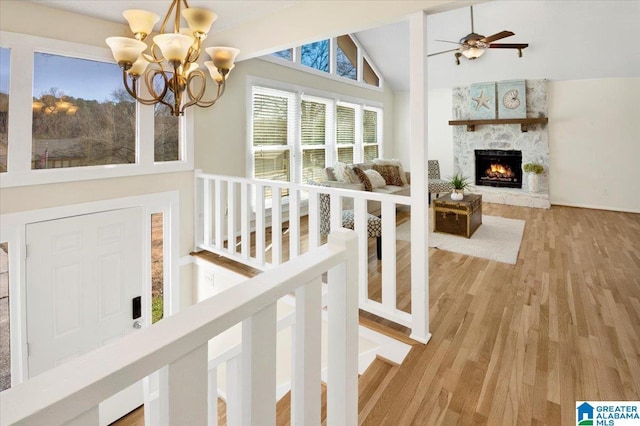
(137, 325)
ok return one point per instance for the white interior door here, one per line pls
(82, 274)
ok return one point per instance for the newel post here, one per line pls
(342, 345)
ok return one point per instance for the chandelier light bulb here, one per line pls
(140, 21)
(223, 56)
(174, 46)
(213, 71)
(125, 50)
(138, 67)
(199, 20)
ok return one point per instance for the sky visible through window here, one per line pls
(68, 76)
(4, 69)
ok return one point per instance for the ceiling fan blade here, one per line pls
(447, 41)
(444, 51)
(509, 45)
(497, 36)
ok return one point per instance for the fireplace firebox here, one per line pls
(499, 168)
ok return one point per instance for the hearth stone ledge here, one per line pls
(513, 197)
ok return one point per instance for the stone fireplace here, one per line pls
(506, 183)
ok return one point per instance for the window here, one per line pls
(166, 143)
(5, 328)
(157, 267)
(273, 117)
(82, 115)
(370, 132)
(295, 136)
(316, 55)
(284, 54)
(313, 129)
(345, 133)
(5, 55)
(369, 75)
(347, 58)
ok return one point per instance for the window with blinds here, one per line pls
(345, 125)
(295, 136)
(272, 118)
(370, 132)
(312, 122)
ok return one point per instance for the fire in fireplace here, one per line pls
(500, 168)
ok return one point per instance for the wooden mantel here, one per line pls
(523, 122)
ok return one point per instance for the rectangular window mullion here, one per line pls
(21, 101)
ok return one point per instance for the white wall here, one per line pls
(594, 134)
(440, 133)
(221, 131)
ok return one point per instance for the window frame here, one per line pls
(331, 148)
(19, 172)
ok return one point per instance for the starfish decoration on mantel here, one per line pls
(482, 101)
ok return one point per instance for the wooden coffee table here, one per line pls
(457, 217)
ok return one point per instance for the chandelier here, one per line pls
(171, 66)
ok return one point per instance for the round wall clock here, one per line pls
(510, 99)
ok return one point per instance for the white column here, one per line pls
(419, 187)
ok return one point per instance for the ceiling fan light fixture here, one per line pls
(473, 53)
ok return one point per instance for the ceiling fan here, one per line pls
(472, 45)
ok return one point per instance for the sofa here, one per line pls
(339, 177)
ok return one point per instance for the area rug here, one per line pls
(498, 239)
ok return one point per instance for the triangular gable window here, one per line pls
(341, 57)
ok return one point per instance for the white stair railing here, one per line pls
(71, 393)
(219, 215)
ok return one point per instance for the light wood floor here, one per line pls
(515, 345)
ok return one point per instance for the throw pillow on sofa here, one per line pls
(393, 162)
(391, 174)
(377, 181)
(363, 178)
(344, 173)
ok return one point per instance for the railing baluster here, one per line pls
(260, 225)
(234, 396)
(305, 385)
(231, 217)
(183, 389)
(245, 225)
(259, 368)
(361, 227)
(276, 226)
(294, 223)
(212, 397)
(389, 256)
(207, 212)
(219, 217)
(313, 220)
(336, 212)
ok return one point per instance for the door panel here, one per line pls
(82, 273)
